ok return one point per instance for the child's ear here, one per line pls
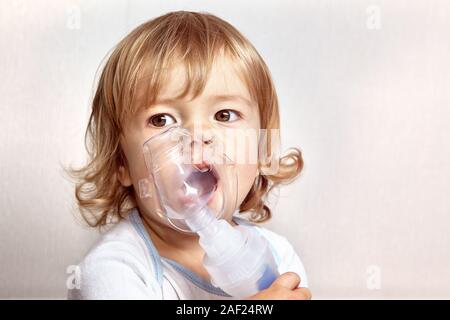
(124, 176)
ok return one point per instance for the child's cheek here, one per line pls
(246, 177)
(135, 157)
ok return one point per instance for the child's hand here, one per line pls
(285, 287)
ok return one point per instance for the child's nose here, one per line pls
(200, 151)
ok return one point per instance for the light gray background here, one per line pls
(367, 103)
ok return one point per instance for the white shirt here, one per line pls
(125, 264)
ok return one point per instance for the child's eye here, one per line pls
(161, 120)
(227, 115)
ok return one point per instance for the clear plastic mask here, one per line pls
(187, 175)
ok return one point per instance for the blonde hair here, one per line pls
(194, 39)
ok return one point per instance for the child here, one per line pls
(188, 69)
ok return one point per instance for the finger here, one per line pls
(302, 294)
(289, 280)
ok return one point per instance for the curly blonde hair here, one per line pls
(193, 38)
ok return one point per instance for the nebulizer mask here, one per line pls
(193, 180)
(193, 184)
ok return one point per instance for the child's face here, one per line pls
(224, 104)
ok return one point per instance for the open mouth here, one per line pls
(204, 181)
(200, 185)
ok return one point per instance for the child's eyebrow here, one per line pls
(229, 97)
(211, 99)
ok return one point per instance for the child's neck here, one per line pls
(166, 238)
(183, 248)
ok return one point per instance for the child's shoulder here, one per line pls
(119, 239)
(118, 262)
